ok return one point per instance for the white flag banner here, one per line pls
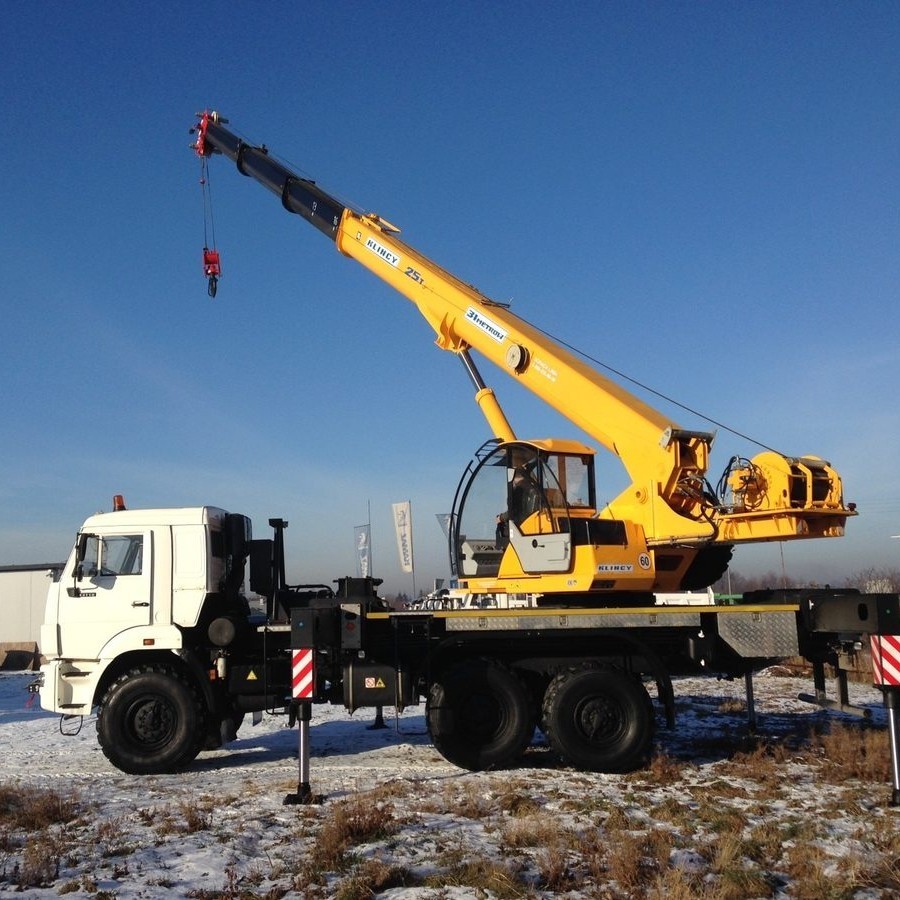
(444, 522)
(403, 527)
(362, 538)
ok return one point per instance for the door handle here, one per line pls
(141, 603)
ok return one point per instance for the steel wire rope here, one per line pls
(654, 392)
(209, 225)
(287, 164)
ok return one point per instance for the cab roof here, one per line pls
(143, 518)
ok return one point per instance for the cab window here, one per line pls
(123, 554)
(572, 475)
(114, 554)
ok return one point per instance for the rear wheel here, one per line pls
(479, 715)
(151, 720)
(220, 732)
(600, 720)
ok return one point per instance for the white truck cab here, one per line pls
(136, 598)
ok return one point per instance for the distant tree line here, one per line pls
(877, 580)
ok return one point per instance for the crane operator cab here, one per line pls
(526, 511)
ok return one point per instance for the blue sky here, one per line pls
(704, 196)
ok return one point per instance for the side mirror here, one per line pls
(78, 571)
(80, 552)
(81, 549)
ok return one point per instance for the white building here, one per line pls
(23, 596)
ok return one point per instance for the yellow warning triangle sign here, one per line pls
(251, 676)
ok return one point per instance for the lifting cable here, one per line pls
(211, 267)
(656, 393)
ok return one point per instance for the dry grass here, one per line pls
(764, 843)
(187, 816)
(737, 877)
(533, 831)
(626, 864)
(815, 875)
(517, 800)
(481, 873)
(732, 828)
(32, 850)
(359, 819)
(733, 706)
(371, 878)
(634, 847)
(470, 799)
(40, 862)
(853, 752)
(662, 771)
(32, 809)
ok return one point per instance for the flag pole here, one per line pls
(369, 521)
(412, 553)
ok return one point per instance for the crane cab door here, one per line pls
(517, 501)
(533, 507)
(545, 552)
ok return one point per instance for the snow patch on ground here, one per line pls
(220, 828)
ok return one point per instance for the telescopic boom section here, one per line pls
(774, 497)
(298, 195)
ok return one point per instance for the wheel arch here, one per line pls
(179, 661)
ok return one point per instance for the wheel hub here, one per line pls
(598, 718)
(482, 716)
(153, 721)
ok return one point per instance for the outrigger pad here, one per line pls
(303, 797)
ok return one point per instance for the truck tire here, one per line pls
(151, 720)
(599, 720)
(220, 732)
(479, 715)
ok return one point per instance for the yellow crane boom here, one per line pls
(670, 511)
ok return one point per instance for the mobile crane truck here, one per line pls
(149, 625)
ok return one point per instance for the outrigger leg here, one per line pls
(303, 712)
(751, 702)
(892, 704)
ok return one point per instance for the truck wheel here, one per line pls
(151, 720)
(479, 715)
(220, 732)
(600, 720)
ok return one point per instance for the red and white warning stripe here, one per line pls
(303, 671)
(886, 659)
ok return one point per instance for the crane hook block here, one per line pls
(211, 263)
(211, 269)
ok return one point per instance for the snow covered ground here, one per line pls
(397, 821)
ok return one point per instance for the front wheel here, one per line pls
(479, 715)
(600, 720)
(151, 720)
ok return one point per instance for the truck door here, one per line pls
(106, 589)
